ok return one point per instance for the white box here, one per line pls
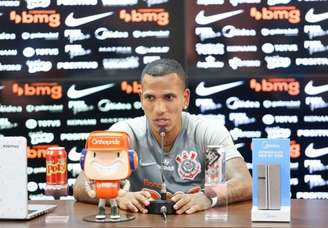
(282, 215)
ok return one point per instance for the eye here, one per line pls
(118, 154)
(149, 97)
(94, 154)
(169, 97)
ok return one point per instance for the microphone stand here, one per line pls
(161, 206)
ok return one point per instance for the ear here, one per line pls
(186, 98)
(140, 94)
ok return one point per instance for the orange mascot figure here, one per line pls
(106, 162)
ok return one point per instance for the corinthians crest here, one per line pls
(189, 167)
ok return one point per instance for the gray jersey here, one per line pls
(184, 165)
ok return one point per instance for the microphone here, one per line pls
(162, 206)
(163, 185)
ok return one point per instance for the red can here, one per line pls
(56, 165)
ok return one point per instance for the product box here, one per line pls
(271, 180)
(215, 183)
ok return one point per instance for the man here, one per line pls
(164, 95)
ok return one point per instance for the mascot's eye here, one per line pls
(94, 154)
(118, 154)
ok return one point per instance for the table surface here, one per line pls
(305, 213)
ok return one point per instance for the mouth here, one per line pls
(161, 122)
(114, 167)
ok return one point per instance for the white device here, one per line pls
(13, 181)
(268, 186)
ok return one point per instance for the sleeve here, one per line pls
(212, 132)
(124, 126)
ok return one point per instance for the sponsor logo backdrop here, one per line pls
(259, 67)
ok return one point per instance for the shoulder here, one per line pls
(130, 124)
(135, 127)
(201, 124)
(210, 130)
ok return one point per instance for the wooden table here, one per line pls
(305, 213)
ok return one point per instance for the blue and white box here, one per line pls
(271, 180)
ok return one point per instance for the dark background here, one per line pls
(241, 108)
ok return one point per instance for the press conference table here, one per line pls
(305, 213)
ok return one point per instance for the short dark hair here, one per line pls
(163, 67)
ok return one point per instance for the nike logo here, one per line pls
(239, 145)
(315, 90)
(73, 155)
(70, 21)
(314, 18)
(1, 87)
(310, 152)
(74, 94)
(205, 91)
(147, 163)
(201, 19)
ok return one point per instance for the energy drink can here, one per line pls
(56, 171)
(215, 186)
(214, 165)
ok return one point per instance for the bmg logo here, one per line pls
(289, 13)
(49, 17)
(39, 89)
(160, 16)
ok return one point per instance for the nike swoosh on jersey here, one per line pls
(74, 94)
(70, 21)
(147, 163)
(201, 90)
(201, 19)
(314, 90)
(310, 152)
(239, 145)
(314, 18)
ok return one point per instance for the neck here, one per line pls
(169, 139)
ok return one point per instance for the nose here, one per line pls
(160, 107)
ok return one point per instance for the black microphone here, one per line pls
(161, 206)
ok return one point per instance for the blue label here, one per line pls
(272, 151)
